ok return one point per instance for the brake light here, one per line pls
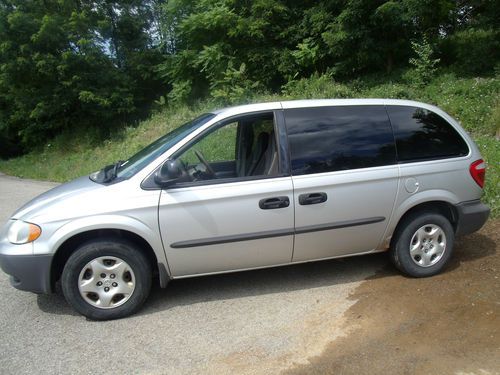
(477, 171)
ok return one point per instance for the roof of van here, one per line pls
(319, 103)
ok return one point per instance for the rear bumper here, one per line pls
(28, 272)
(471, 216)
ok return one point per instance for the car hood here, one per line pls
(55, 196)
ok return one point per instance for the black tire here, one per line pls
(400, 247)
(99, 249)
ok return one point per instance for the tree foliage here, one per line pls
(66, 64)
(74, 64)
(278, 41)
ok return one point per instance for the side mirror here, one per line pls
(170, 172)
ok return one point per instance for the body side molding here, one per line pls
(275, 233)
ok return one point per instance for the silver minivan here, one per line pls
(254, 186)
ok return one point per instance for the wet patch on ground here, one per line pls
(446, 324)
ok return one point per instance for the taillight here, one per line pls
(477, 171)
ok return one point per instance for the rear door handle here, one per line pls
(312, 198)
(275, 202)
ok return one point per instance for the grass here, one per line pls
(474, 102)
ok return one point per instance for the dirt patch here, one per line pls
(446, 324)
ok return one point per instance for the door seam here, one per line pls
(294, 219)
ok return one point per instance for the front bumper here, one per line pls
(28, 272)
(471, 216)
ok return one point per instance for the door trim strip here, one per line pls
(232, 238)
(339, 224)
(274, 233)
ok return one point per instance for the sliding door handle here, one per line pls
(312, 198)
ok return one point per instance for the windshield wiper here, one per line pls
(112, 171)
(108, 173)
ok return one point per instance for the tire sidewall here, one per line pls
(402, 255)
(98, 248)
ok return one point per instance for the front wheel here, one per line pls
(106, 279)
(423, 245)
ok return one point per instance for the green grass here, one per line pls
(474, 102)
(72, 155)
(490, 149)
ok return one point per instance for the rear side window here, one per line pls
(326, 139)
(423, 135)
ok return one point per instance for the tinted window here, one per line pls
(421, 134)
(326, 139)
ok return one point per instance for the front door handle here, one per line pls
(275, 202)
(312, 198)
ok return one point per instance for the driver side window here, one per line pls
(217, 146)
(242, 147)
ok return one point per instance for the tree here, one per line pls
(69, 64)
(59, 68)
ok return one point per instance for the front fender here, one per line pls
(126, 223)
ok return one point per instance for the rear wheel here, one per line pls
(423, 245)
(106, 279)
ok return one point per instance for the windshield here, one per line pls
(149, 153)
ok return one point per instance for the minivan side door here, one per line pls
(345, 178)
(242, 216)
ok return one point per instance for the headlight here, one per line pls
(21, 232)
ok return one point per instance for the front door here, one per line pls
(236, 210)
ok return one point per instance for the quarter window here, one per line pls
(326, 139)
(423, 135)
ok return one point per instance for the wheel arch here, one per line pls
(441, 207)
(72, 235)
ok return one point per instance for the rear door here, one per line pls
(345, 178)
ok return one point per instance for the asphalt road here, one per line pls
(256, 322)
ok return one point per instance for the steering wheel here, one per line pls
(204, 161)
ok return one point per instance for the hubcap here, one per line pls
(428, 245)
(106, 282)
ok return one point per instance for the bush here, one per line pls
(180, 92)
(316, 87)
(234, 86)
(472, 51)
(424, 66)
(390, 90)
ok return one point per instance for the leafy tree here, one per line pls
(72, 64)
(280, 40)
(63, 66)
(215, 36)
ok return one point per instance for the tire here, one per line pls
(106, 279)
(423, 244)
